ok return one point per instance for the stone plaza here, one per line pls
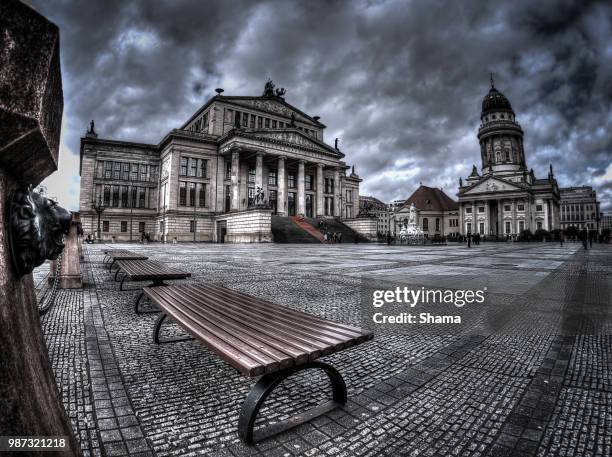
(537, 382)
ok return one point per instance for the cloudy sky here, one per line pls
(400, 83)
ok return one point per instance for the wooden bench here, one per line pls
(108, 252)
(147, 270)
(258, 338)
(124, 255)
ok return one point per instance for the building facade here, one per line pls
(220, 176)
(437, 213)
(505, 198)
(580, 208)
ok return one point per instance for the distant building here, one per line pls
(506, 198)
(376, 207)
(580, 208)
(437, 213)
(606, 221)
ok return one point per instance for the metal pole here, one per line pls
(131, 209)
(195, 222)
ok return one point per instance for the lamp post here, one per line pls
(99, 208)
(195, 222)
(131, 207)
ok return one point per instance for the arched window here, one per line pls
(425, 224)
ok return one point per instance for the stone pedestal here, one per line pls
(31, 105)
(70, 273)
(365, 226)
(249, 226)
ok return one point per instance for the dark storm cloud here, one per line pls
(399, 82)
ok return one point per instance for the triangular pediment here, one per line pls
(272, 106)
(491, 184)
(287, 137)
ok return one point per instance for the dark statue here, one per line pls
(336, 144)
(259, 197)
(91, 127)
(292, 123)
(269, 90)
(37, 226)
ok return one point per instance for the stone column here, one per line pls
(514, 229)
(545, 225)
(301, 197)
(259, 170)
(500, 217)
(281, 202)
(474, 218)
(337, 192)
(320, 200)
(461, 224)
(487, 229)
(235, 204)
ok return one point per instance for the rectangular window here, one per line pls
(191, 226)
(124, 226)
(107, 195)
(194, 167)
(308, 180)
(267, 123)
(182, 193)
(117, 173)
(203, 168)
(259, 122)
(125, 173)
(521, 226)
(281, 125)
(507, 226)
(481, 209)
(106, 226)
(538, 207)
(506, 207)
(468, 210)
(192, 194)
(481, 228)
(272, 178)
(141, 227)
(116, 196)
(143, 172)
(124, 196)
(469, 227)
(349, 196)
(228, 170)
(133, 199)
(245, 119)
(252, 123)
(291, 180)
(108, 170)
(202, 195)
(134, 172)
(521, 207)
(183, 166)
(141, 197)
(252, 174)
(273, 123)
(539, 225)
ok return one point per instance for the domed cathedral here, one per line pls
(505, 198)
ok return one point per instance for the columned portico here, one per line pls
(301, 200)
(282, 188)
(259, 170)
(320, 205)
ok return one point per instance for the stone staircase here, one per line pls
(285, 230)
(308, 227)
(333, 225)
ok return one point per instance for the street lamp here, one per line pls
(131, 206)
(99, 208)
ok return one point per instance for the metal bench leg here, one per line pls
(137, 308)
(111, 266)
(157, 329)
(267, 383)
(122, 281)
(116, 273)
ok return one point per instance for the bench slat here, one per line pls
(252, 335)
(140, 270)
(315, 335)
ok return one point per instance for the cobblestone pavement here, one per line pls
(535, 381)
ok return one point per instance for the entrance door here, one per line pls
(221, 231)
(291, 203)
(228, 199)
(308, 205)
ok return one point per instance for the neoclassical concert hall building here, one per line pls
(219, 177)
(505, 198)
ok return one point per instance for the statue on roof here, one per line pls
(269, 89)
(336, 144)
(280, 92)
(292, 123)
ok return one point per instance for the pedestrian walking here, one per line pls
(469, 239)
(561, 238)
(339, 237)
